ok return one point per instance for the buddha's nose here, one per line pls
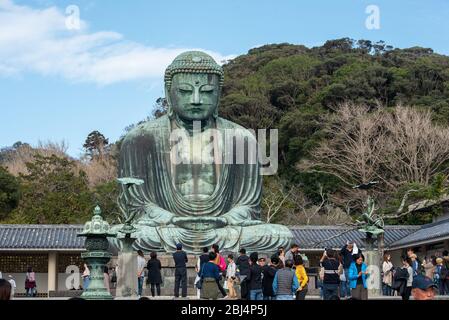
(196, 98)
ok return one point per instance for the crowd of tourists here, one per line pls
(342, 274)
(403, 279)
(282, 277)
(345, 274)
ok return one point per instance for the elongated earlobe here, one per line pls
(169, 105)
(215, 114)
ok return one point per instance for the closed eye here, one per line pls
(207, 88)
(185, 88)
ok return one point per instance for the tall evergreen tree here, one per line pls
(96, 144)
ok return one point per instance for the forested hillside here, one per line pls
(348, 112)
(326, 149)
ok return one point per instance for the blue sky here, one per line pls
(60, 84)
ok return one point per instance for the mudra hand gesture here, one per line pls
(199, 223)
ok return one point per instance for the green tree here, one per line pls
(294, 89)
(105, 195)
(160, 107)
(9, 193)
(53, 191)
(96, 144)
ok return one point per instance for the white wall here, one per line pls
(41, 281)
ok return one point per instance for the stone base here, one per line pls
(168, 275)
(372, 260)
(67, 293)
(127, 274)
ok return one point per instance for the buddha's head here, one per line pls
(193, 84)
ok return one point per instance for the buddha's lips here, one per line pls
(197, 106)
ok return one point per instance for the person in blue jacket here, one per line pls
(357, 278)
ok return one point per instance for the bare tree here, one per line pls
(274, 197)
(417, 148)
(355, 225)
(16, 163)
(290, 206)
(394, 147)
(99, 169)
(353, 152)
(308, 210)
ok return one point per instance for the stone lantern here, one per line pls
(96, 256)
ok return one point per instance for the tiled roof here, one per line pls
(63, 237)
(40, 237)
(320, 237)
(427, 232)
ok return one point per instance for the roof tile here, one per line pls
(40, 237)
(308, 237)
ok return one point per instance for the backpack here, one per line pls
(401, 274)
(420, 268)
(222, 264)
(400, 278)
(444, 273)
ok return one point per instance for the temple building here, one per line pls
(50, 249)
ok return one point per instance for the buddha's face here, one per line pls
(194, 96)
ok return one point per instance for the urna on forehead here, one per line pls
(193, 62)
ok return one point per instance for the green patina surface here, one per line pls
(96, 256)
(196, 203)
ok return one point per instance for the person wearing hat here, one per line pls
(180, 258)
(423, 288)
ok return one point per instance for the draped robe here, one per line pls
(146, 154)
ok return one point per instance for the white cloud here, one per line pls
(37, 40)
